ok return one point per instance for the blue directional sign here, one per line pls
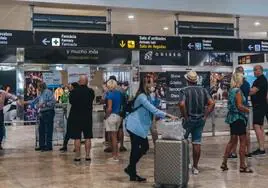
(250, 45)
(211, 44)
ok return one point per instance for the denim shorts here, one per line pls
(195, 128)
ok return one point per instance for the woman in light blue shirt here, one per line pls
(138, 124)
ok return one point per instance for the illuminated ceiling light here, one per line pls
(165, 28)
(131, 17)
(257, 23)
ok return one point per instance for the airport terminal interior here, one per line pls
(50, 50)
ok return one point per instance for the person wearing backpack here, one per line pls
(138, 124)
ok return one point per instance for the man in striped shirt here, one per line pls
(195, 106)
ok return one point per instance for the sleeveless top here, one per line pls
(233, 113)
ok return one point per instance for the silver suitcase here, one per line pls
(171, 163)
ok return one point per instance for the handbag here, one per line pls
(171, 130)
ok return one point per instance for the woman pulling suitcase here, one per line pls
(138, 124)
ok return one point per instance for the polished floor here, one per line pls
(22, 167)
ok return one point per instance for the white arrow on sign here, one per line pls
(45, 41)
(190, 45)
(250, 47)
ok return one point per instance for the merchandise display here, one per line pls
(30, 93)
(219, 85)
(211, 59)
(160, 91)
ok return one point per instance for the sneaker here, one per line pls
(47, 149)
(138, 179)
(190, 166)
(108, 150)
(195, 171)
(249, 155)
(232, 156)
(63, 149)
(38, 149)
(113, 159)
(122, 149)
(258, 152)
(77, 159)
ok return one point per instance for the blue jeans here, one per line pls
(194, 126)
(46, 129)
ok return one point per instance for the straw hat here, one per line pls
(191, 76)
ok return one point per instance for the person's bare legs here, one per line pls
(234, 149)
(114, 144)
(77, 145)
(121, 135)
(259, 130)
(242, 150)
(229, 147)
(88, 148)
(196, 154)
(248, 143)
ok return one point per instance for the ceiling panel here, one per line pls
(17, 16)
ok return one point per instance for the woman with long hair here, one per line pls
(138, 124)
(237, 119)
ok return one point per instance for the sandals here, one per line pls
(88, 159)
(224, 167)
(245, 170)
(77, 159)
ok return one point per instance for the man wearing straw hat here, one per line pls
(195, 106)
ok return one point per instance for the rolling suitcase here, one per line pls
(171, 163)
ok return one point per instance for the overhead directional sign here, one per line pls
(57, 39)
(146, 42)
(211, 44)
(205, 28)
(16, 38)
(250, 45)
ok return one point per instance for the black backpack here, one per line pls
(129, 108)
(123, 105)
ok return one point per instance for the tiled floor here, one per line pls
(22, 167)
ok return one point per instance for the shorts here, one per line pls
(258, 115)
(77, 130)
(80, 123)
(112, 123)
(196, 129)
(238, 128)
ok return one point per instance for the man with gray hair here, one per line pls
(80, 117)
(45, 103)
(258, 94)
